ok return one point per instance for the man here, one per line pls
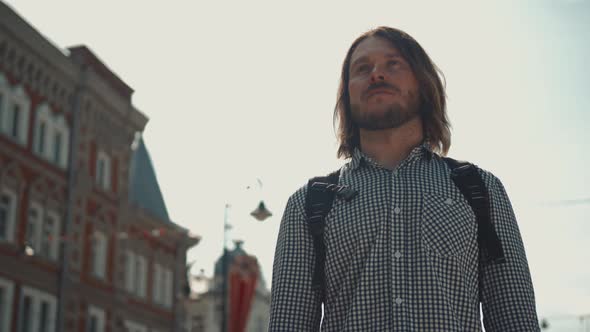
(403, 255)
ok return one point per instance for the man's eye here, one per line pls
(393, 63)
(363, 68)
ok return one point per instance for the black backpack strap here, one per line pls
(321, 192)
(467, 178)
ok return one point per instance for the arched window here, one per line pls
(42, 130)
(14, 112)
(60, 141)
(51, 138)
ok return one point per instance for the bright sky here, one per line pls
(240, 90)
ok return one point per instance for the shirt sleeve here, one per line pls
(294, 305)
(506, 290)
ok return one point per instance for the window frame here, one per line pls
(103, 179)
(6, 312)
(37, 297)
(135, 327)
(35, 242)
(54, 242)
(18, 97)
(157, 287)
(44, 142)
(129, 271)
(98, 254)
(12, 209)
(99, 313)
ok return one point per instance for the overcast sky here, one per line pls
(242, 90)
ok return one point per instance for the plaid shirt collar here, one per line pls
(359, 158)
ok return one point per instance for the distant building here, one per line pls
(204, 306)
(86, 243)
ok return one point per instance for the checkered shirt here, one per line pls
(402, 256)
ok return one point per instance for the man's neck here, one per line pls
(388, 147)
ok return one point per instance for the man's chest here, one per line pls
(415, 212)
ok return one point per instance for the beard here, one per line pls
(393, 116)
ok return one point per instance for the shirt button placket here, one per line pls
(398, 241)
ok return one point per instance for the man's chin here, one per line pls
(385, 119)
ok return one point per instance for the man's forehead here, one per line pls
(374, 45)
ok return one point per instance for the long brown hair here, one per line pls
(430, 84)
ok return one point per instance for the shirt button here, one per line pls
(449, 201)
(397, 210)
(397, 254)
(398, 300)
(394, 173)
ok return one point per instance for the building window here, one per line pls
(136, 274)
(50, 239)
(40, 141)
(168, 284)
(61, 134)
(103, 171)
(162, 287)
(57, 148)
(15, 123)
(96, 320)
(51, 136)
(26, 314)
(6, 291)
(43, 231)
(44, 316)
(34, 225)
(141, 270)
(130, 271)
(98, 254)
(14, 112)
(37, 311)
(7, 215)
(156, 287)
(134, 327)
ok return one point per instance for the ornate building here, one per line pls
(86, 243)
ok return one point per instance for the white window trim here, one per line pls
(105, 182)
(129, 271)
(6, 316)
(135, 327)
(40, 225)
(168, 285)
(19, 97)
(136, 274)
(157, 284)
(54, 242)
(99, 314)
(53, 125)
(99, 254)
(43, 115)
(60, 126)
(11, 214)
(141, 273)
(36, 237)
(38, 296)
(162, 287)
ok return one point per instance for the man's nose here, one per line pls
(377, 74)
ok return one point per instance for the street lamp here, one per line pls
(261, 213)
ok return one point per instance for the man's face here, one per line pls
(382, 87)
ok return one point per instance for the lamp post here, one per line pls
(260, 213)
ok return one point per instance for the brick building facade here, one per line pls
(86, 243)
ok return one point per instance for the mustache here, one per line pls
(381, 85)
